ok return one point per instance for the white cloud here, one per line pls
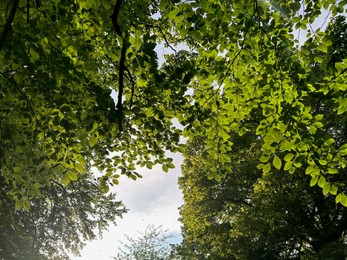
(154, 199)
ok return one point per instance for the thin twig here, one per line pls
(132, 82)
(22, 93)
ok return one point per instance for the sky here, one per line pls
(154, 199)
(151, 200)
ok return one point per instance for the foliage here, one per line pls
(251, 215)
(281, 216)
(61, 60)
(58, 222)
(150, 245)
(248, 61)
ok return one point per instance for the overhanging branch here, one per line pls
(8, 24)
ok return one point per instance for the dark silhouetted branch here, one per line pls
(8, 24)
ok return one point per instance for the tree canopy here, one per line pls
(282, 216)
(250, 215)
(61, 60)
(81, 88)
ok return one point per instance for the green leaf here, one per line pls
(264, 158)
(322, 162)
(288, 165)
(93, 139)
(105, 189)
(65, 179)
(165, 168)
(309, 169)
(277, 162)
(73, 176)
(343, 199)
(326, 188)
(79, 168)
(266, 168)
(332, 171)
(340, 66)
(318, 124)
(26, 204)
(34, 56)
(292, 170)
(18, 204)
(171, 165)
(321, 181)
(343, 150)
(338, 198)
(333, 189)
(288, 157)
(314, 181)
(260, 166)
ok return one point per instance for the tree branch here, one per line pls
(119, 106)
(114, 17)
(9, 22)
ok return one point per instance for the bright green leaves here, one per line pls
(314, 180)
(277, 162)
(167, 166)
(136, 39)
(341, 66)
(321, 181)
(343, 150)
(309, 169)
(93, 139)
(341, 198)
(288, 157)
(326, 188)
(68, 177)
(266, 168)
(243, 72)
(79, 168)
(264, 158)
(65, 179)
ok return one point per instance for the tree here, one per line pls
(248, 60)
(58, 222)
(151, 245)
(280, 215)
(61, 60)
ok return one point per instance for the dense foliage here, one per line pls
(59, 63)
(58, 222)
(281, 216)
(251, 215)
(61, 60)
(245, 79)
